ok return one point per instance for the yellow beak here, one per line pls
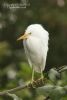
(25, 36)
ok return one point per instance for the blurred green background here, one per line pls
(14, 70)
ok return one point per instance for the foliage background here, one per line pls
(14, 70)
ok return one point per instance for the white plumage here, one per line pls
(36, 46)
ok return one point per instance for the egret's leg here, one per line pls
(33, 85)
(42, 75)
(31, 79)
(32, 74)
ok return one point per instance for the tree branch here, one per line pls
(34, 84)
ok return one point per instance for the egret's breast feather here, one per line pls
(35, 50)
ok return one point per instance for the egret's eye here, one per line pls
(30, 33)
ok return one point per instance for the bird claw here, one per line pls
(31, 84)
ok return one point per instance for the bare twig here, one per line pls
(62, 69)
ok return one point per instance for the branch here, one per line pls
(34, 84)
(62, 69)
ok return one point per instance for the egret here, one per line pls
(35, 42)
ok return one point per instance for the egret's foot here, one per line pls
(31, 84)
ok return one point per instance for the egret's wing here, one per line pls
(36, 51)
(36, 54)
(44, 46)
(26, 52)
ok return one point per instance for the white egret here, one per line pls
(35, 41)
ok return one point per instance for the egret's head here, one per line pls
(33, 30)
